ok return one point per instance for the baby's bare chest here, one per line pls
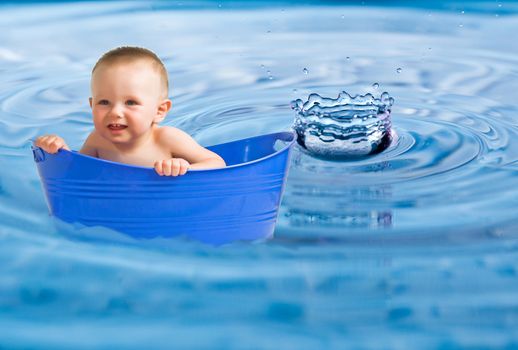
(145, 156)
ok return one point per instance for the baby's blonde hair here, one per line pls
(134, 53)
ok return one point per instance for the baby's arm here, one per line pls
(51, 143)
(188, 154)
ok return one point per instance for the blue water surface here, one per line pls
(412, 248)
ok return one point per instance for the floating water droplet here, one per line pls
(375, 86)
(399, 70)
(269, 74)
(219, 5)
(343, 16)
(262, 66)
(348, 58)
(268, 31)
(462, 12)
(461, 25)
(499, 5)
(305, 70)
(294, 90)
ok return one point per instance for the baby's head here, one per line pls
(129, 89)
(128, 55)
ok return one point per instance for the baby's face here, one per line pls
(125, 100)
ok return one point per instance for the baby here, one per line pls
(129, 99)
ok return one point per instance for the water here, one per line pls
(344, 128)
(414, 247)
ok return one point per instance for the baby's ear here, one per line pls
(163, 108)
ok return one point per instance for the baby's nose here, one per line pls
(117, 111)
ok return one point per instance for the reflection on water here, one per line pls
(336, 205)
(347, 219)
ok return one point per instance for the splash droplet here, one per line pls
(348, 58)
(375, 86)
(345, 127)
(305, 70)
(461, 25)
(343, 16)
(399, 70)
(269, 74)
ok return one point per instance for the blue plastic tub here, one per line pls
(238, 202)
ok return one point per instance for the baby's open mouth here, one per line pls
(117, 126)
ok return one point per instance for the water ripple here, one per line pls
(416, 244)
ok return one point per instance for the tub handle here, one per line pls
(39, 155)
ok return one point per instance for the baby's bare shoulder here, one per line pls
(177, 141)
(94, 139)
(168, 135)
(91, 145)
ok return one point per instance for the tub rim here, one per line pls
(284, 148)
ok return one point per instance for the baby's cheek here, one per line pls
(98, 122)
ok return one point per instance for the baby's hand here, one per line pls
(51, 143)
(171, 167)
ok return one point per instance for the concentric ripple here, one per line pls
(435, 167)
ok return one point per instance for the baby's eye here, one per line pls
(103, 102)
(131, 103)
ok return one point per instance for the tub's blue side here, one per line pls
(239, 202)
